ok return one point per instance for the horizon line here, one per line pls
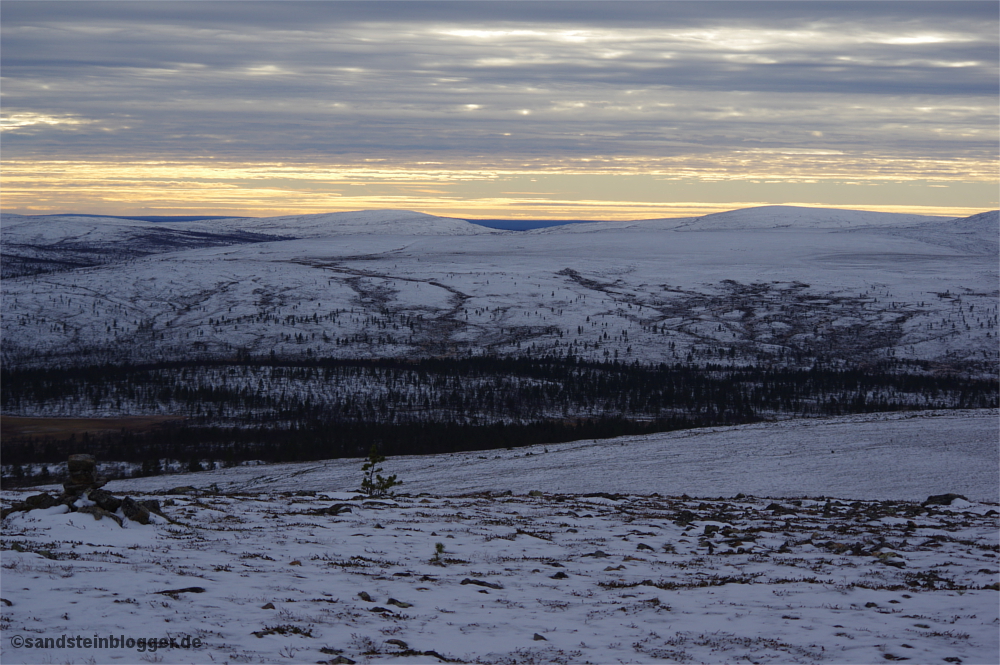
(926, 211)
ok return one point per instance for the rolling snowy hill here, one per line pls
(364, 222)
(53, 243)
(778, 217)
(900, 456)
(434, 286)
(974, 235)
(828, 320)
(33, 245)
(760, 218)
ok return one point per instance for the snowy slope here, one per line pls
(284, 565)
(901, 456)
(778, 217)
(56, 231)
(362, 222)
(760, 218)
(58, 243)
(978, 234)
(647, 295)
(666, 224)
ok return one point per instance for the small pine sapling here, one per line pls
(372, 483)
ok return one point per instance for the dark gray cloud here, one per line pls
(288, 80)
(286, 13)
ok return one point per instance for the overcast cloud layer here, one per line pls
(893, 90)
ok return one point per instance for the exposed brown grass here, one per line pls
(60, 429)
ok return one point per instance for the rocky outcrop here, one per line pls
(82, 493)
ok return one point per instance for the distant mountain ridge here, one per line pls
(31, 245)
(54, 243)
(34, 244)
(361, 222)
(776, 284)
(760, 218)
(776, 217)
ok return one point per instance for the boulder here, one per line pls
(398, 603)
(134, 511)
(942, 499)
(81, 468)
(684, 517)
(41, 501)
(105, 499)
(34, 501)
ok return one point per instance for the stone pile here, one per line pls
(82, 493)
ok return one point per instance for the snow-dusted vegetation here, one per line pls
(267, 568)
(807, 289)
(307, 337)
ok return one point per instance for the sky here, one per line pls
(587, 110)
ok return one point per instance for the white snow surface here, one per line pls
(25, 229)
(975, 234)
(271, 567)
(60, 228)
(361, 222)
(644, 292)
(771, 217)
(759, 218)
(891, 456)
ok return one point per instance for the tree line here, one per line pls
(283, 410)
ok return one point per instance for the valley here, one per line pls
(304, 337)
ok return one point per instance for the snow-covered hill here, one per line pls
(978, 234)
(640, 225)
(646, 294)
(362, 222)
(897, 456)
(58, 243)
(760, 218)
(778, 217)
(54, 243)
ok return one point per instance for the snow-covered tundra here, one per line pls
(603, 560)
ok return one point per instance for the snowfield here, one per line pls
(892, 456)
(766, 284)
(587, 552)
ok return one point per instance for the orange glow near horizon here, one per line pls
(600, 188)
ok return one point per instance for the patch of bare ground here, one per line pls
(61, 429)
